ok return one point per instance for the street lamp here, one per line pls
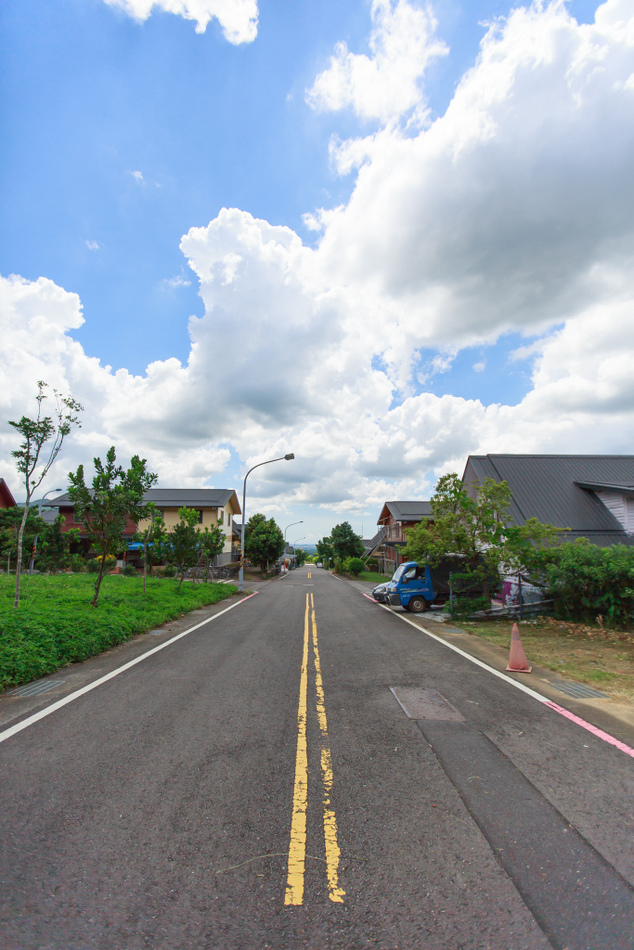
(39, 513)
(290, 526)
(282, 458)
(303, 538)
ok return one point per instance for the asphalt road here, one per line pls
(258, 783)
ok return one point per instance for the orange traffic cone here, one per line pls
(517, 659)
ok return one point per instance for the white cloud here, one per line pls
(92, 245)
(173, 283)
(387, 84)
(237, 18)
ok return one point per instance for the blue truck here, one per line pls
(411, 587)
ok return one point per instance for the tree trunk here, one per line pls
(18, 566)
(93, 602)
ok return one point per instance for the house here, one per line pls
(591, 495)
(394, 521)
(214, 506)
(6, 498)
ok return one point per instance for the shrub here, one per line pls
(129, 570)
(355, 566)
(92, 566)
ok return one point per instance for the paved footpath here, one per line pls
(306, 769)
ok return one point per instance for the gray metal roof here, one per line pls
(176, 498)
(560, 489)
(409, 510)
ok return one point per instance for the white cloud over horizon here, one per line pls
(512, 212)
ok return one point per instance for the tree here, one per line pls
(212, 542)
(55, 544)
(301, 556)
(478, 530)
(43, 438)
(184, 541)
(116, 497)
(263, 540)
(345, 543)
(325, 553)
(11, 521)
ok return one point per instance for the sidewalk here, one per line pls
(607, 714)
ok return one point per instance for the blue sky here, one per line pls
(425, 250)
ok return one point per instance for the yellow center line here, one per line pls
(333, 853)
(297, 847)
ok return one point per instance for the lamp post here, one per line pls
(297, 542)
(290, 526)
(282, 458)
(39, 513)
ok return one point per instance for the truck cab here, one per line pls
(411, 587)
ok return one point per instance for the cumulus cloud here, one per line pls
(513, 211)
(237, 18)
(387, 84)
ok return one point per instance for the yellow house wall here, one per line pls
(210, 518)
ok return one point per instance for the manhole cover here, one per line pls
(34, 689)
(580, 691)
(425, 704)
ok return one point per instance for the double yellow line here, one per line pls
(297, 847)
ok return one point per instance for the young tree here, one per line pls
(345, 543)
(212, 542)
(184, 541)
(43, 438)
(55, 546)
(116, 497)
(263, 541)
(476, 529)
(11, 521)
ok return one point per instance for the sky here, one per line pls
(383, 235)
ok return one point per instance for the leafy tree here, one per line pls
(325, 553)
(153, 538)
(55, 545)
(42, 442)
(263, 540)
(11, 520)
(301, 556)
(478, 530)
(184, 541)
(345, 543)
(116, 497)
(212, 542)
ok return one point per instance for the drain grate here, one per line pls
(579, 691)
(425, 704)
(34, 689)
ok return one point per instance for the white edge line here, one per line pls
(562, 711)
(30, 720)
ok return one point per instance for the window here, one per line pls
(221, 515)
(199, 512)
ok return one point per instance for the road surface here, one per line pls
(258, 782)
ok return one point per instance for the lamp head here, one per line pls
(289, 456)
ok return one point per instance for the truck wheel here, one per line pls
(417, 605)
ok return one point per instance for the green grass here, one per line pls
(55, 624)
(597, 656)
(373, 577)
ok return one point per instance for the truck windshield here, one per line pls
(398, 573)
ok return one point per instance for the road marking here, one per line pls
(297, 847)
(30, 720)
(333, 853)
(599, 733)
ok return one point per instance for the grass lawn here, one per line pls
(371, 577)
(596, 656)
(55, 624)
